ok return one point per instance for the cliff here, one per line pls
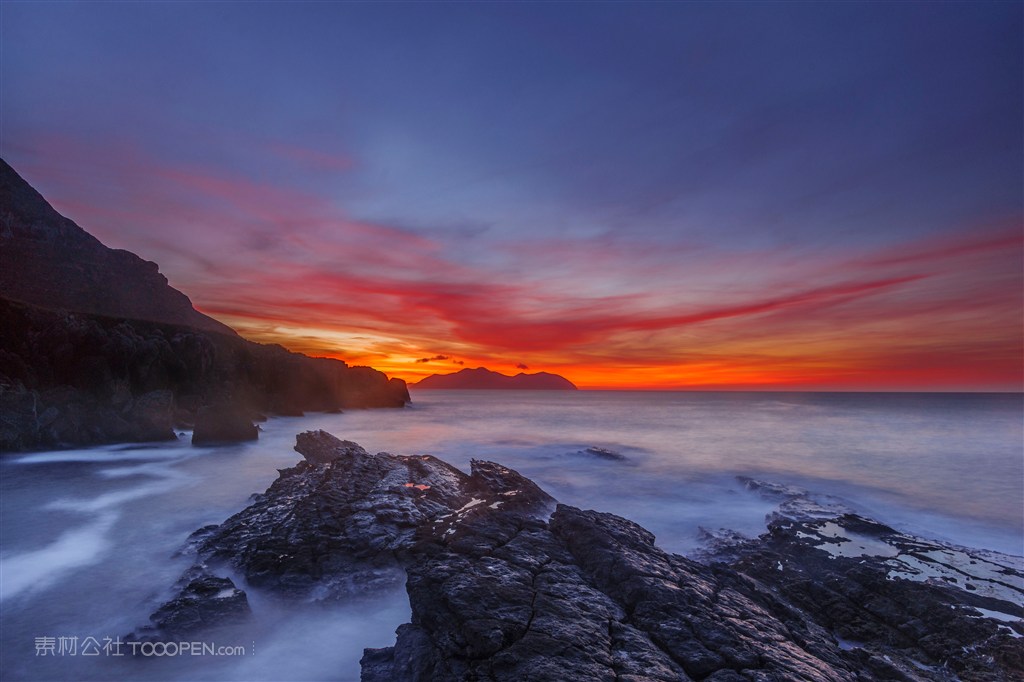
(48, 261)
(97, 347)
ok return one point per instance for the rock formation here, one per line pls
(48, 261)
(506, 585)
(96, 347)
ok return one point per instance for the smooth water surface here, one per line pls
(89, 536)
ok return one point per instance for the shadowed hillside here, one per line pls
(96, 347)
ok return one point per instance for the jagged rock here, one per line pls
(889, 595)
(320, 447)
(223, 424)
(502, 589)
(351, 516)
(203, 601)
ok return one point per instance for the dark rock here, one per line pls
(895, 597)
(96, 347)
(223, 424)
(320, 447)
(71, 379)
(351, 517)
(603, 453)
(500, 590)
(203, 602)
(151, 416)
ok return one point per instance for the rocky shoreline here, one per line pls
(507, 584)
(97, 347)
(70, 379)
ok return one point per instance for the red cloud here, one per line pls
(939, 311)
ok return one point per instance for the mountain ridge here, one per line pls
(481, 378)
(49, 261)
(97, 347)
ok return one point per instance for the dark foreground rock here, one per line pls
(501, 588)
(343, 521)
(202, 602)
(950, 612)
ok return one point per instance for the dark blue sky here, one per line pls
(523, 142)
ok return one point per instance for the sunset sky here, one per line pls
(769, 196)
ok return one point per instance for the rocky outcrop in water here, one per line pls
(350, 519)
(941, 611)
(202, 602)
(506, 585)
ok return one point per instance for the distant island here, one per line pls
(483, 378)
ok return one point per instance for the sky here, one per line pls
(769, 196)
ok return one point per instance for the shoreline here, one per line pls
(259, 461)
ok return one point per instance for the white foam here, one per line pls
(36, 569)
(997, 615)
(851, 544)
(105, 454)
(469, 505)
(114, 499)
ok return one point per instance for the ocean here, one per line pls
(89, 536)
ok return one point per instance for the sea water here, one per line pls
(88, 537)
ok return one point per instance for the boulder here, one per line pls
(320, 447)
(203, 602)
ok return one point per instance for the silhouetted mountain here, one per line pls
(483, 378)
(96, 347)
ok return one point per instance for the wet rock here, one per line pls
(501, 588)
(603, 453)
(203, 602)
(320, 447)
(223, 424)
(342, 520)
(918, 604)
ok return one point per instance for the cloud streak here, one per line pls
(290, 266)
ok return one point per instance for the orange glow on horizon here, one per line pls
(942, 310)
(823, 372)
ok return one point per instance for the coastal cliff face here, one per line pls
(75, 379)
(48, 261)
(96, 347)
(506, 584)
